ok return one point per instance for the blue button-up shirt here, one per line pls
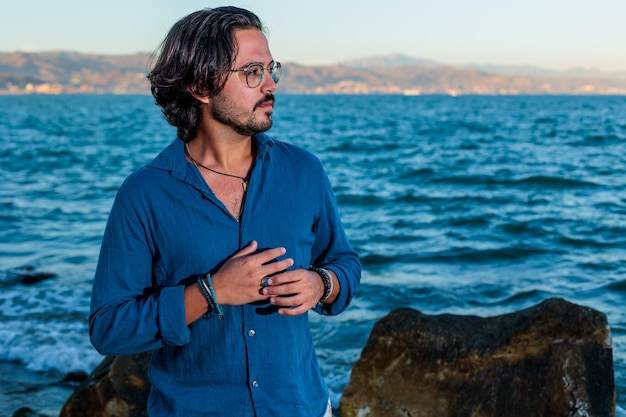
(167, 225)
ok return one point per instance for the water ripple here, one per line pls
(466, 205)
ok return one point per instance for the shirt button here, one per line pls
(255, 383)
(251, 332)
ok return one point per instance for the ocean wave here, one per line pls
(522, 297)
(489, 255)
(533, 181)
(553, 182)
(468, 205)
(44, 325)
(470, 255)
(48, 346)
(618, 286)
(601, 140)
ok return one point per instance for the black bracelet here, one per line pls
(207, 296)
(327, 280)
(206, 285)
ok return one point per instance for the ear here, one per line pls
(200, 97)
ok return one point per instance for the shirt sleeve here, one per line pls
(332, 250)
(128, 314)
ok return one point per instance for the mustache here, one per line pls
(268, 97)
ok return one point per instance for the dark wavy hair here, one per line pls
(196, 56)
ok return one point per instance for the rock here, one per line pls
(35, 277)
(27, 412)
(118, 387)
(74, 377)
(28, 275)
(553, 359)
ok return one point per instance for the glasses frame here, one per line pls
(273, 69)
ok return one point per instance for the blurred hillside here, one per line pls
(75, 73)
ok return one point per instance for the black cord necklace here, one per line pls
(244, 180)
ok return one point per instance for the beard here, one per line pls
(231, 114)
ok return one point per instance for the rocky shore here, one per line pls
(552, 359)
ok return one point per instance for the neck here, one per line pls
(223, 153)
(243, 179)
(223, 158)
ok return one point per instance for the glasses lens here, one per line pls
(254, 75)
(274, 70)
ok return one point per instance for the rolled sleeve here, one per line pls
(129, 313)
(332, 250)
(171, 316)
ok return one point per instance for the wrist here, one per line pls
(327, 281)
(205, 283)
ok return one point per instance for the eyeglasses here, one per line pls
(254, 73)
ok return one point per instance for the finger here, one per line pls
(269, 255)
(284, 301)
(288, 300)
(281, 284)
(276, 267)
(293, 311)
(247, 250)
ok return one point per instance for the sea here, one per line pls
(471, 205)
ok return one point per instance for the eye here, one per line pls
(254, 71)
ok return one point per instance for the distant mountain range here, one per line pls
(63, 72)
(400, 60)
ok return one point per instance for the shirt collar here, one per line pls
(263, 143)
(173, 157)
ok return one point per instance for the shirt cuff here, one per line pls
(343, 298)
(171, 316)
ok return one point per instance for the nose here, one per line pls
(268, 85)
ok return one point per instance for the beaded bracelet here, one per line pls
(327, 280)
(209, 294)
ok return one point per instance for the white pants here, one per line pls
(329, 410)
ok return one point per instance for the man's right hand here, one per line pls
(238, 281)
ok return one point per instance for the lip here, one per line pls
(266, 104)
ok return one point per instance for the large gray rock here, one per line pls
(551, 360)
(118, 387)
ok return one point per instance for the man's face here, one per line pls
(246, 110)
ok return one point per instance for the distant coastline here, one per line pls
(62, 72)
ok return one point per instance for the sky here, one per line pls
(551, 34)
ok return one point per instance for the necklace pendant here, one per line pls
(244, 185)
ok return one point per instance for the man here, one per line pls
(215, 251)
